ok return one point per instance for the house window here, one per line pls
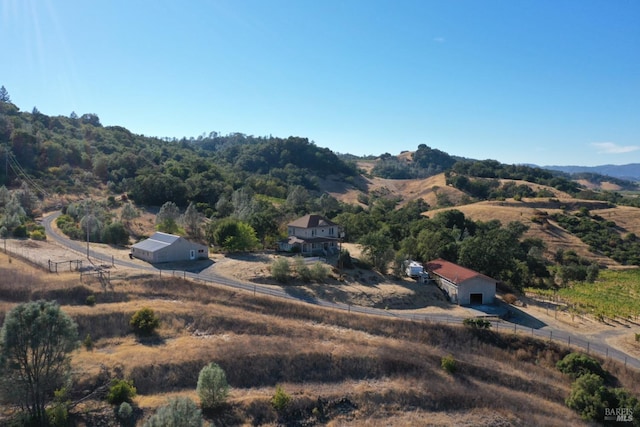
(313, 233)
(331, 231)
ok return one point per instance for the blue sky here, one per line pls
(545, 82)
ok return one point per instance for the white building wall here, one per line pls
(450, 288)
(476, 285)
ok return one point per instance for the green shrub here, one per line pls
(125, 411)
(212, 387)
(38, 235)
(179, 412)
(589, 397)
(576, 365)
(91, 300)
(448, 363)
(344, 259)
(302, 270)
(20, 231)
(121, 391)
(319, 272)
(87, 343)
(58, 412)
(637, 337)
(280, 399)
(476, 323)
(280, 269)
(144, 322)
(115, 233)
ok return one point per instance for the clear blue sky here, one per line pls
(548, 82)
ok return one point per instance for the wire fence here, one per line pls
(98, 264)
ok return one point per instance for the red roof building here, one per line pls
(463, 285)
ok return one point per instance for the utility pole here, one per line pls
(88, 219)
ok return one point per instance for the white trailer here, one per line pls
(413, 269)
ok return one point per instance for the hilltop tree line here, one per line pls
(73, 153)
(215, 185)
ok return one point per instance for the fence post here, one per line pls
(588, 345)
(569, 340)
(550, 335)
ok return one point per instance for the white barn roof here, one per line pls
(156, 242)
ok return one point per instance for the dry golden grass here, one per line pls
(353, 369)
(407, 189)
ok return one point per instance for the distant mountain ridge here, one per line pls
(630, 171)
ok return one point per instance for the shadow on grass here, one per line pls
(300, 294)
(150, 340)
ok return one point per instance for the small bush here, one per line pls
(280, 399)
(212, 387)
(87, 343)
(344, 259)
(125, 411)
(280, 269)
(637, 337)
(577, 365)
(20, 231)
(319, 272)
(91, 300)
(448, 363)
(121, 391)
(58, 412)
(38, 235)
(144, 322)
(179, 412)
(302, 270)
(476, 323)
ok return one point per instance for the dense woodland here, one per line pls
(216, 186)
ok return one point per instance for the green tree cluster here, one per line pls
(589, 394)
(35, 345)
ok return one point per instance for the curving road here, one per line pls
(595, 344)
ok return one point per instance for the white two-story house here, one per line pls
(311, 235)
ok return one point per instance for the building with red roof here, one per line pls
(463, 285)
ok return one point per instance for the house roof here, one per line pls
(311, 221)
(157, 241)
(454, 273)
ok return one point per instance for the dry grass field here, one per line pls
(340, 368)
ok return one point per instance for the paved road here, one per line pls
(594, 344)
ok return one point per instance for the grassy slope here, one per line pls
(627, 218)
(356, 370)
